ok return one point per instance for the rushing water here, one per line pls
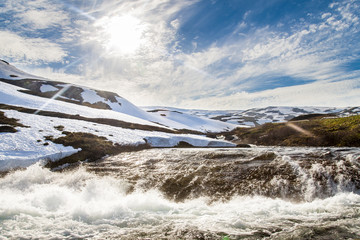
(257, 193)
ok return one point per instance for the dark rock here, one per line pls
(243, 145)
(183, 144)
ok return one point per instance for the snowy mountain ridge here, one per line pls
(84, 96)
(258, 116)
(37, 114)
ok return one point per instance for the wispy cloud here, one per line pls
(245, 68)
(40, 19)
(35, 14)
(33, 50)
(314, 51)
(337, 94)
(311, 52)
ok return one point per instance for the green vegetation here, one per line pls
(92, 147)
(338, 132)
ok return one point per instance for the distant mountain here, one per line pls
(258, 116)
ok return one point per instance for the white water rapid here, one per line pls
(37, 203)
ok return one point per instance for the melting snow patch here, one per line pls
(48, 88)
(91, 96)
(28, 145)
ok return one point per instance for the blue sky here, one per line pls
(209, 54)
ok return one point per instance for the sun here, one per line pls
(123, 35)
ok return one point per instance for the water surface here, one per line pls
(257, 193)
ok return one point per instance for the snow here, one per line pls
(249, 124)
(195, 140)
(48, 88)
(91, 96)
(126, 112)
(180, 120)
(127, 107)
(257, 115)
(122, 109)
(263, 121)
(29, 144)
(6, 70)
(26, 146)
(22, 148)
(9, 94)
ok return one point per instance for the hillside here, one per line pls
(61, 123)
(314, 131)
(14, 82)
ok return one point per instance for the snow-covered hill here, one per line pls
(84, 96)
(258, 116)
(183, 120)
(34, 111)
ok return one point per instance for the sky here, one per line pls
(199, 54)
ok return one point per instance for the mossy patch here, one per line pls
(49, 138)
(92, 147)
(312, 116)
(59, 127)
(9, 124)
(340, 132)
(10, 121)
(8, 129)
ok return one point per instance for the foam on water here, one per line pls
(38, 203)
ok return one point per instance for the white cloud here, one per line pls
(40, 19)
(54, 74)
(325, 15)
(217, 77)
(157, 15)
(309, 54)
(175, 23)
(36, 14)
(30, 50)
(336, 94)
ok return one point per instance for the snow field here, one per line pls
(26, 146)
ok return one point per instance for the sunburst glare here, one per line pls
(122, 35)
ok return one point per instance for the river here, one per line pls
(250, 193)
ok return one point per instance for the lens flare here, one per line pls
(299, 129)
(58, 94)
